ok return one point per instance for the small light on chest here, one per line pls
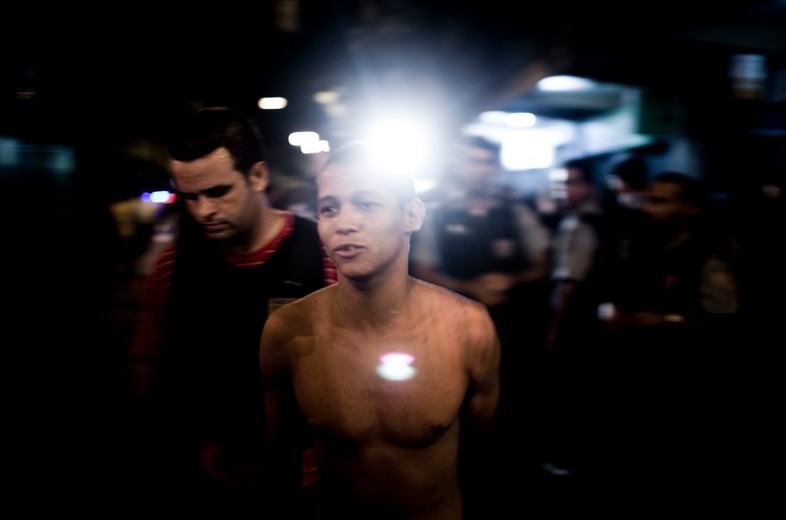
(396, 366)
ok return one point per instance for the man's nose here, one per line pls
(203, 206)
(348, 221)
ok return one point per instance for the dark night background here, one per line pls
(108, 80)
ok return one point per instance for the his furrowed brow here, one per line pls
(213, 192)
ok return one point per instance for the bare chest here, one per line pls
(405, 387)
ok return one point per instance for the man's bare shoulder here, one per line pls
(461, 318)
(297, 315)
(285, 329)
(445, 301)
(301, 309)
(444, 295)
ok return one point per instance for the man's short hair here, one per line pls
(633, 170)
(583, 165)
(210, 128)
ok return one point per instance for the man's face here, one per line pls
(362, 224)
(574, 190)
(479, 166)
(220, 199)
(664, 202)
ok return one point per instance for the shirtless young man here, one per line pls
(386, 370)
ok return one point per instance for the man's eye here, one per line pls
(326, 211)
(218, 192)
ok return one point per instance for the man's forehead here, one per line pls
(218, 157)
(351, 187)
(359, 175)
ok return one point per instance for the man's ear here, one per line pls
(416, 212)
(259, 176)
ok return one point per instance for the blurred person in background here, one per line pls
(672, 330)
(573, 328)
(626, 182)
(481, 241)
(623, 201)
(196, 346)
(397, 378)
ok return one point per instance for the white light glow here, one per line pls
(158, 197)
(301, 138)
(520, 119)
(409, 140)
(496, 117)
(424, 184)
(564, 83)
(527, 150)
(558, 174)
(327, 97)
(319, 146)
(272, 103)
(396, 366)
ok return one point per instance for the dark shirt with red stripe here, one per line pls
(202, 335)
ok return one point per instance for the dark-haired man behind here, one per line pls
(197, 344)
(390, 372)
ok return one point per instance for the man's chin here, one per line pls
(356, 275)
(217, 234)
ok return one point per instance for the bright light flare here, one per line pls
(508, 119)
(301, 138)
(327, 97)
(564, 84)
(527, 149)
(409, 142)
(396, 366)
(521, 119)
(308, 142)
(159, 197)
(272, 103)
(320, 146)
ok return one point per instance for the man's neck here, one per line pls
(270, 223)
(372, 304)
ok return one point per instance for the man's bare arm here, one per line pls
(484, 356)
